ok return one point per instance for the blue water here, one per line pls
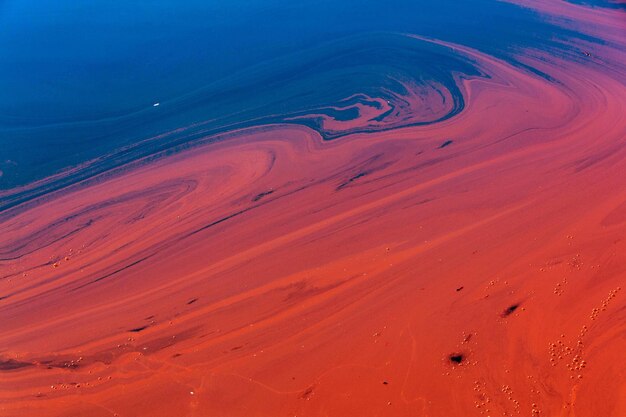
(78, 79)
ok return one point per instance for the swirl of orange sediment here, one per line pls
(277, 274)
(424, 103)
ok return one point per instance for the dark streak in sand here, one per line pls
(446, 143)
(261, 195)
(138, 329)
(12, 364)
(456, 358)
(112, 273)
(510, 310)
(350, 180)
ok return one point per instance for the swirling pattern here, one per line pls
(456, 249)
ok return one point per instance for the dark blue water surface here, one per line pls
(78, 79)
